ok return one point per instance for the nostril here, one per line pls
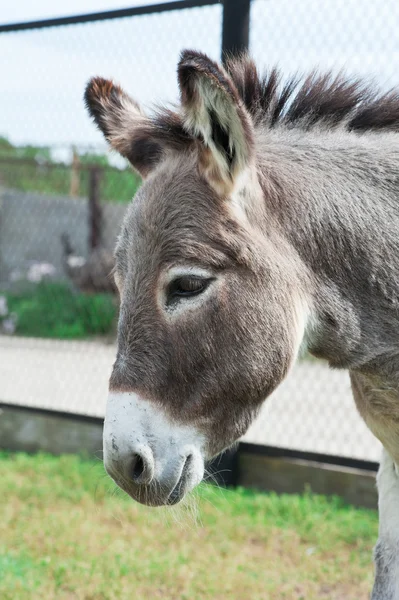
(142, 467)
(137, 467)
(187, 464)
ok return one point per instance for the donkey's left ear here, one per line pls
(214, 113)
(123, 124)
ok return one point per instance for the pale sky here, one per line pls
(46, 70)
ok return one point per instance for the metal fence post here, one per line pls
(95, 212)
(235, 28)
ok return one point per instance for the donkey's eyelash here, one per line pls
(186, 286)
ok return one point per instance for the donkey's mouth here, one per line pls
(182, 485)
(158, 492)
(153, 459)
(153, 495)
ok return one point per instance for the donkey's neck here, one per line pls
(336, 197)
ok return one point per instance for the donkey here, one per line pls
(267, 222)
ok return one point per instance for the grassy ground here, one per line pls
(67, 533)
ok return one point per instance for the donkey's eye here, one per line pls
(187, 286)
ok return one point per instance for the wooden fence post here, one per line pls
(95, 212)
(75, 174)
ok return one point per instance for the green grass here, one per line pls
(54, 310)
(67, 533)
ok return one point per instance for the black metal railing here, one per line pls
(235, 28)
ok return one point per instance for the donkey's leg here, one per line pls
(378, 404)
(386, 553)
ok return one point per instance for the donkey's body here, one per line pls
(340, 211)
(269, 219)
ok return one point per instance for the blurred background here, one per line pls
(63, 194)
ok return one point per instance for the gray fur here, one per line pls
(302, 239)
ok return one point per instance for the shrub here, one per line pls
(54, 310)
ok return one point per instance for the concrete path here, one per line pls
(312, 410)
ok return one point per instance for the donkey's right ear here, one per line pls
(214, 113)
(124, 125)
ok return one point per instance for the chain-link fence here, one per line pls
(63, 196)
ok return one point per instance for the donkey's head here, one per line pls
(210, 314)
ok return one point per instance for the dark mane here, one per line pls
(318, 99)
